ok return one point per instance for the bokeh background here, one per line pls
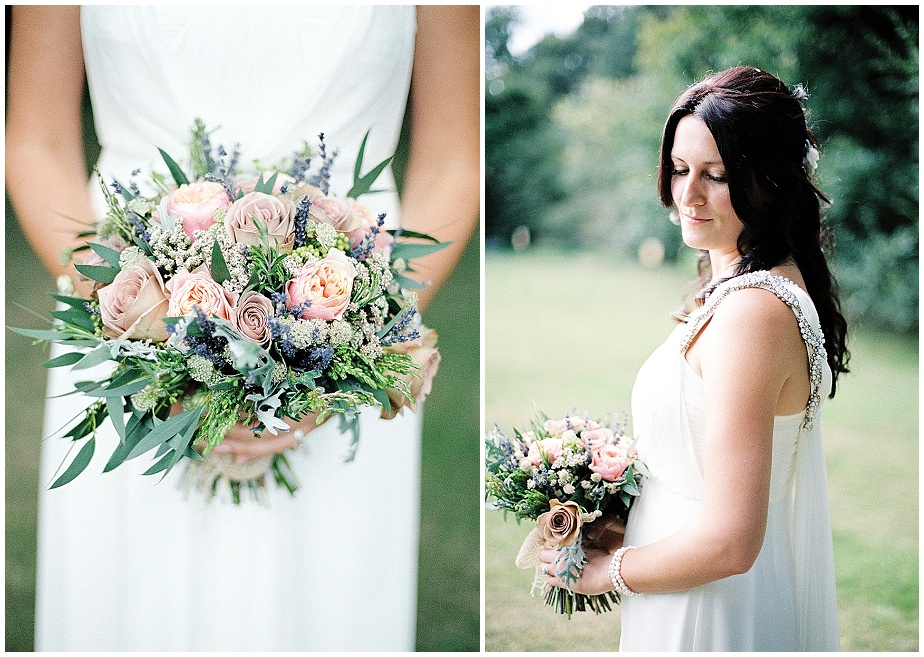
(582, 267)
(448, 580)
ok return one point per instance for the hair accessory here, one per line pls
(615, 575)
(810, 162)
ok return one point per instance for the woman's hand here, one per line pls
(595, 576)
(241, 443)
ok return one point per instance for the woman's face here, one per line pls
(699, 188)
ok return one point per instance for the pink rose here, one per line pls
(548, 446)
(597, 438)
(558, 427)
(251, 317)
(334, 211)
(326, 283)
(610, 461)
(425, 355)
(133, 305)
(197, 288)
(276, 213)
(196, 203)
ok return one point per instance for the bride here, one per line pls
(123, 563)
(729, 546)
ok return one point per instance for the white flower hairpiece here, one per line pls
(810, 162)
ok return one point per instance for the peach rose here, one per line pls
(561, 525)
(276, 213)
(327, 284)
(133, 305)
(597, 438)
(197, 288)
(251, 317)
(426, 356)
(610, 461)
(548, 446)
(196, 203)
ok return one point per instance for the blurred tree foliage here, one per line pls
(573, 126)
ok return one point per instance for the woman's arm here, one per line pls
(441, 194)
(45, 168)
(749, 350)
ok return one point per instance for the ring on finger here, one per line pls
(545, 569)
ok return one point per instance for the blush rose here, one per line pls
(548, 446)
(251, 317)
(196, 203)
(326, 284)
(275, 213)
(133, 305)
(198, 288)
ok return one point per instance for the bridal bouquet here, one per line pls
(223, 299)
(564, 475)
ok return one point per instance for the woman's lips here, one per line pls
(696, 220)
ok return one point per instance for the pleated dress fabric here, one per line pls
(787, 600)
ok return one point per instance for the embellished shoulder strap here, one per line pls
(783, 288)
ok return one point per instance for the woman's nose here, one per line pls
(692, 193)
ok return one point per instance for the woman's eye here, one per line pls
(716, 178)
(679, 172)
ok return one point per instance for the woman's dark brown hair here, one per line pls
(760, 128)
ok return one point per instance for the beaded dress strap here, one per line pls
(782, 288)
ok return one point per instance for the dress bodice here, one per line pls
(668, 390)
(267, 80)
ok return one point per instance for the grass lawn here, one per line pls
(570, 331)
(448, 601)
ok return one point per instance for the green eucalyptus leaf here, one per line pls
(74, 316)
(99, 273)
(409, 283)
(166, 430)
(109, 255)
(69, 358)
(78, 465)
(410, 251)
(219, 268)
(38, 334)
(178, 176)
(403, 232)
(134, 432)
(92, 358)
(363, 184)
(77, 302)
(266, 187)
(116, 408)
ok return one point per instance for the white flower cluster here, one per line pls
(173, 250)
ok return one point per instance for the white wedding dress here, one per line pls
(787, 600)
(124, 561)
